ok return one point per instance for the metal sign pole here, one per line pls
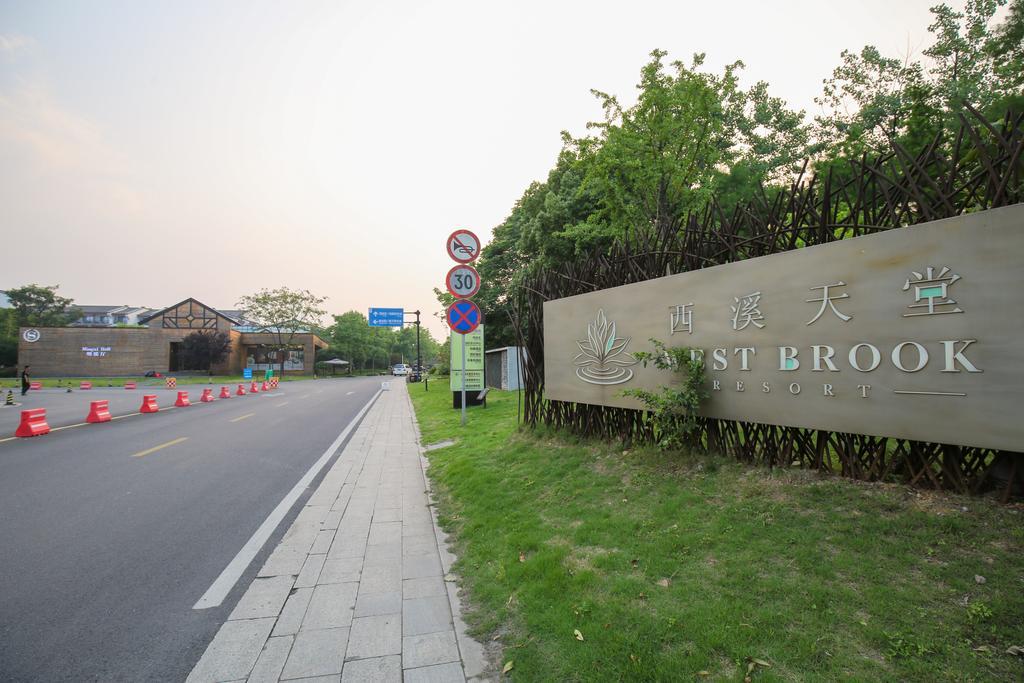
(463, 379)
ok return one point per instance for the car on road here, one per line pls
(400, 370)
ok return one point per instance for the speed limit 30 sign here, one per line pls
(463, 281)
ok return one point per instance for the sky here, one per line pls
(153, 151)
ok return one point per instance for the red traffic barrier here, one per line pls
(33, 423)
(225, 392)
(265, 387)
(99, 411)
(85, 385)
(207, 396)
(241, 390)
(182, 401)
(35, 385)
(129, 385)
(254, 388)
(149, 404)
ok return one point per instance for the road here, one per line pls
(112, 532)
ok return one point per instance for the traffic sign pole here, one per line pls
(463, 380)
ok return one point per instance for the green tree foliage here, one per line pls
(40, 306)
(8, 337)
(283, 313)
(352, 339)
(872, 98)
(202, 349)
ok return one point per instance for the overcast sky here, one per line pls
(152, 151)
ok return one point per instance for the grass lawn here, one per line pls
(49, 382)
(587, 563)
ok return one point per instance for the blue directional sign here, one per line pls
(387, 317)
(247, 373)
(463, 316)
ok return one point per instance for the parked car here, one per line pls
(400, 370)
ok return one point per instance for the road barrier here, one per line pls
(129, 385)
(265, 387)
(149, 404)
(99, 411)
(9, 401)
(33, 423)
(254, 389)
(241, 390)
(172, 382)
(207, 396)
(273, 383)
(85, 385)
(225, 392)
(35, 385)
(182, 401)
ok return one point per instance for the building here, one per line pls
(502, 367)
(110, 316)
(101, 349)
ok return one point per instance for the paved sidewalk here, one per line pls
(356, 590)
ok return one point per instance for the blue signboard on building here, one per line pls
(387, 317)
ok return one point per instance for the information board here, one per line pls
(386, 317)
(474, 360)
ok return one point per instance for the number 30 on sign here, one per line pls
(463, 281)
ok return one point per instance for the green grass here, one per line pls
(50, 382)
(684, 567)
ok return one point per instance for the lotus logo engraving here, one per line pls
(602, 360)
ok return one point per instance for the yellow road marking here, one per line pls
(237, 419)
(282, 403)
(157, 448)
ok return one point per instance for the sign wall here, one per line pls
(913, 333)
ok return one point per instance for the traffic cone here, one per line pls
(254, 389)
(241, 390)
(225, 392)
(265, 387)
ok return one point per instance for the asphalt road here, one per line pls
(105, 551)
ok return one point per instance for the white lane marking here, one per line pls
(349, 393)
(223, 584)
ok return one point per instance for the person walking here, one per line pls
(25, 380)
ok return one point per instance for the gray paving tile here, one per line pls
(271, 662)
(387, 514)
(421, 566)
(323, 542)
(419, 545)
(294, 610)
(425, 615)
(439, 673)
(384, 554)
(383, 579)
(385, 532)
(429, 649)
(374, 604)
(341, 570)
(284, 561)
(373, 670)
(375, 637)
(310, 571)
(347, 546)
(316, 653)
(428, 587)
(264, 598)
(233, 651)
(331, 606)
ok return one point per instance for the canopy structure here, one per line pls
(336, 363)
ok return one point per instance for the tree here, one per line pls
(39, 306)
(350, 337)
(283, 313)
(202, 349)
(8, 337)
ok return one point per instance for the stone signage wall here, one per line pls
(914, 333)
